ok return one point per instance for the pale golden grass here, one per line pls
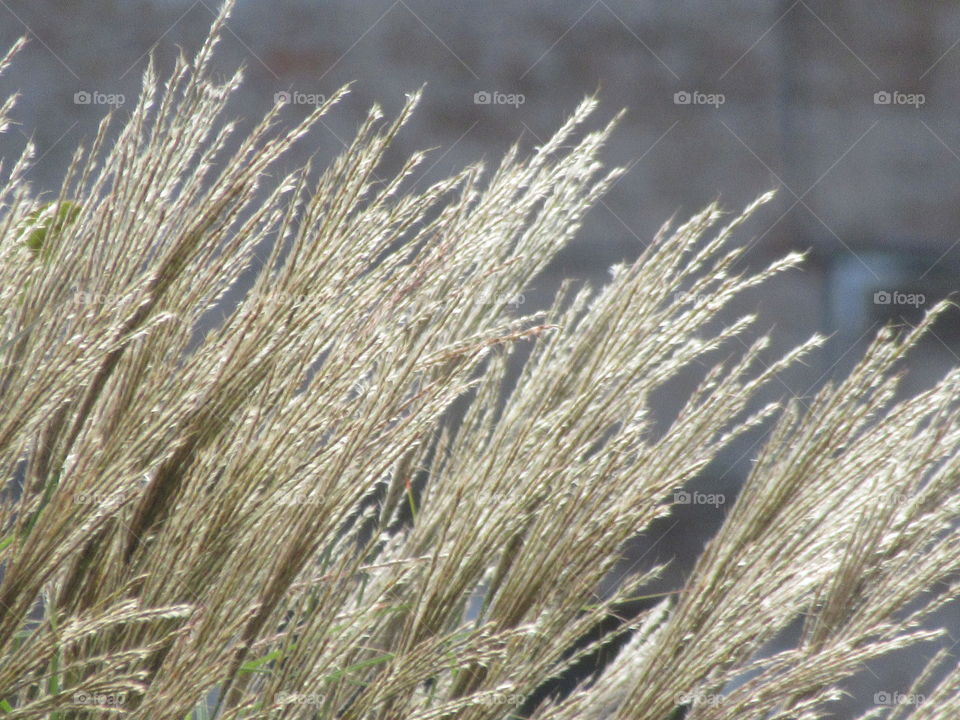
(238, 515)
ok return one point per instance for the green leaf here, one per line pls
(252, 666)
(360, 666)
(44, 220)
(53, 684)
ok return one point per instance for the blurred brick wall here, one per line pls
(898, 167)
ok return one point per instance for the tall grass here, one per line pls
(280, 518)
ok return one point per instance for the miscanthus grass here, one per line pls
(282, 518)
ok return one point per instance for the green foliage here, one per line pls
(47, 221)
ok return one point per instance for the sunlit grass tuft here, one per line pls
(281, 520)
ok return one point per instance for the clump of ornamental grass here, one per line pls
(281, 519)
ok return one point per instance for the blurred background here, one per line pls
(847, 108)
